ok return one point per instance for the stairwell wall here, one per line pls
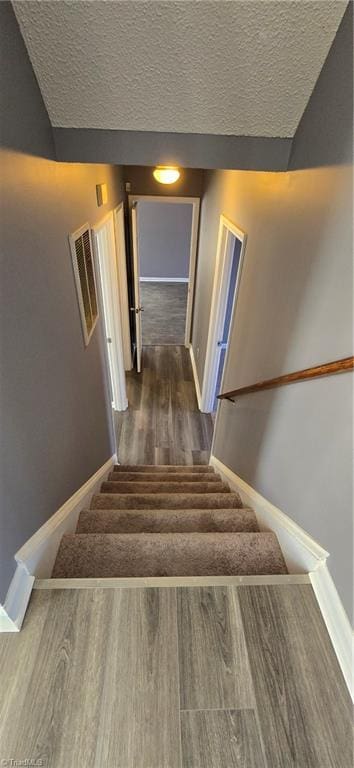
(54, 404)
(293, 445)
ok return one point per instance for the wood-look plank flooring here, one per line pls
(112, 677)
(210, 627)
(163, 424)
(164, 317)
(221, 739)
(305, 715)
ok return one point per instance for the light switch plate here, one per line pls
(102, 194)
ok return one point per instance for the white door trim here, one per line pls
(137, 309)
(195, 377)
(119, 230)
(195, 202)
(223, 265)
(110, 305)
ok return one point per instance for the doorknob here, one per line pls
(137, 309)
(109, 340)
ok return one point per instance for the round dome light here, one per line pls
(166, 174)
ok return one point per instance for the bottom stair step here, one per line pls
(166, 520)
(110, 555)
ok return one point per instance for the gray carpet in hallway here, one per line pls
(164, 317)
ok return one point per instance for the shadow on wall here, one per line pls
(15, 68)
(317, 143)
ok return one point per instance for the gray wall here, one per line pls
(55, 427)
(294, 310)
(164, 232)
(189, 150)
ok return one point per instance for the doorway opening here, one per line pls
(229, 258)
(110, 293)
(164, 240)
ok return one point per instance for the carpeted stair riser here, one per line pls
(161, 477)
(173, 468)
(166, 521)
(166, 501)
(141, 487)
(110, 555)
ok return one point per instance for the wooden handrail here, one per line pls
(327, 369)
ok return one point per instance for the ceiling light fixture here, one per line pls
(165, 174)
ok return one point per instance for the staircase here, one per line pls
(167, 521)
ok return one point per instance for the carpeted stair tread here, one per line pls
(166, 520)
(110, 555)
(142, 487)
(163, 468)
(161, 477)
(166, 500)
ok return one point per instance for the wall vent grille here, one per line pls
(84, 272)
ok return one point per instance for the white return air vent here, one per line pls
(84, 271)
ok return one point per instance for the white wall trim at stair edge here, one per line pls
(164, 279)
(37, 556)
(302, 554)
(336, 620)
(195, 376)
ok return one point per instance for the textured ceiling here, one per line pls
(234, 67)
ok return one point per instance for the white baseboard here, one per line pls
(336, 620)
(13, 611)
(164, 279)
(37, 556)
(302, 554)
(195, 376)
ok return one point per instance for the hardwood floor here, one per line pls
(159, 678)
(163, 424)
(164, 317)
(213, 658)
(295, 677)
(221, 739)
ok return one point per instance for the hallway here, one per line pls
(176, 587)
(165, 307)
(163, 424)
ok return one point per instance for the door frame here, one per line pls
(195, 202)
(109, 286)
(223, 263)
(119, 229)
(137, 308)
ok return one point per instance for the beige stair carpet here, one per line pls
(159, 477)
(167, 521)
(103, 555)
(166, 500)
(133, 486)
